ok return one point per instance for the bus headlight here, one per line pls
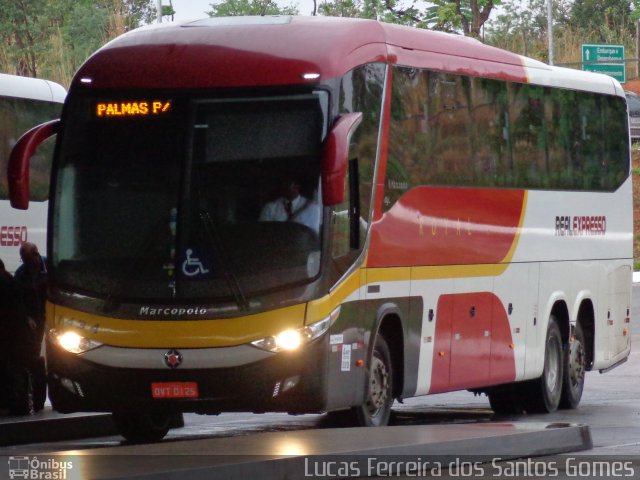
(290, 340)
(73, 342)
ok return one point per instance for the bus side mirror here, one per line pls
(18, 168)
(335, 158)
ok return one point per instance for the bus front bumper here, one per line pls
(293, 382)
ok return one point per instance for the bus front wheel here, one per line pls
(139, 427)
(376, 410)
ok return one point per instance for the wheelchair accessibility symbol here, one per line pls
(192, 266)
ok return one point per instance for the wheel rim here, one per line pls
(553, 360)
(576, 363)
(378, 386)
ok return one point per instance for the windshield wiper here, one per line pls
(229, 276)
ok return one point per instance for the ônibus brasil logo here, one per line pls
(38, 469)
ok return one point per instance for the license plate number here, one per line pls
(174, 390)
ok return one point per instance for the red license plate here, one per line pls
(174, 390)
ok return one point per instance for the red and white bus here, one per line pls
(24, 103)
(468, 223)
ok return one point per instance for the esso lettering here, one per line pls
(13, 235)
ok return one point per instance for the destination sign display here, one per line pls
(133, 108)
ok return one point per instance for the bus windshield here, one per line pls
(169, 198)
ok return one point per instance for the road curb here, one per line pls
(49, 426)
(309, 453)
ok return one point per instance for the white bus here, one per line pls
(24, 103)
(475, 230)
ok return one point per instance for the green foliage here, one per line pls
(168, 11)
(83, 29)
(466, 16)
(51, 38)
(443, 15)
(635, 10)
(133, 12)
(453, 15)
(599, 15)
(342, 8)
(234, 8)
(22, 27)
(522, 27)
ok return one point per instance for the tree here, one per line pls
(635, 10)
(23, 29)
(51, 38)
(341, 8)
(168, 10)
(521, 27)
(234, 8)
(596, 15)
(453, 15)
(467, 16)
(134, 13)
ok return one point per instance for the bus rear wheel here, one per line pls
(575, 366)
(376, 410)
(139, 427)
(545, 392)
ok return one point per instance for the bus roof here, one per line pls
(31, 88)
(278, 50)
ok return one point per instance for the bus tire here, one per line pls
(575, 367)
(545, 392)
(139, 427)
(376, 409)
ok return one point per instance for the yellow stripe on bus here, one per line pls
(507, 259)
(177, 333)
(322, 307)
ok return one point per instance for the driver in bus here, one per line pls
(292, 206)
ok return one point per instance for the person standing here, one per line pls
(15, 384)
(32, 276)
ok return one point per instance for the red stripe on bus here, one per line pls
(447, 226)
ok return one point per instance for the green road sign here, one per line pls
(607, 59)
